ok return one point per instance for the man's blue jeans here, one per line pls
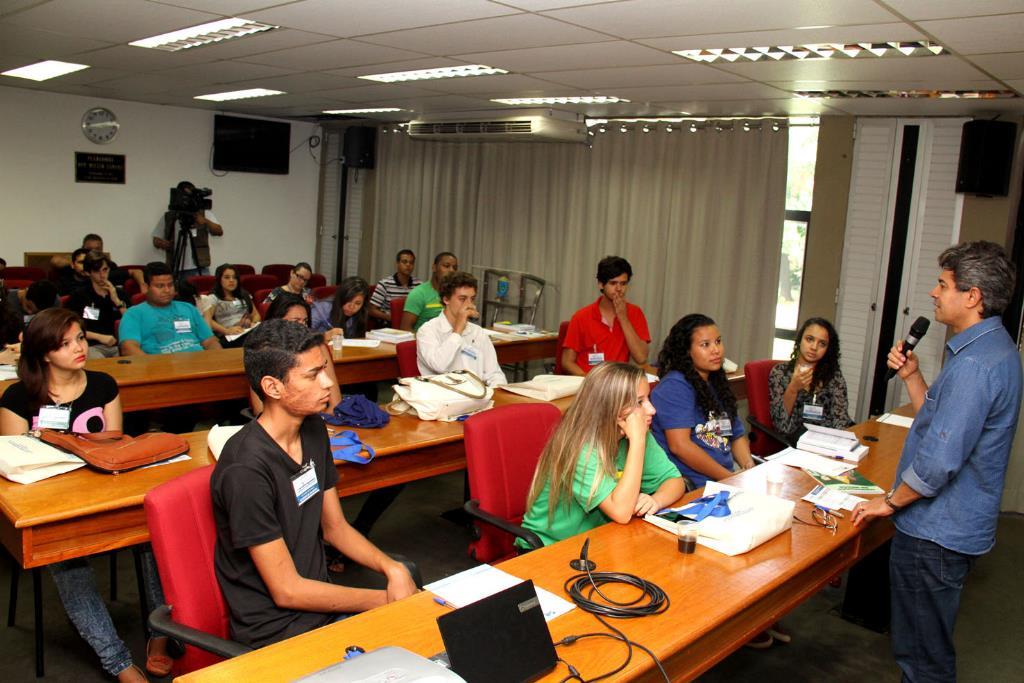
(926, 583)
(76, 585)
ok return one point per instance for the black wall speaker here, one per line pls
(986, 156)
(360, 146)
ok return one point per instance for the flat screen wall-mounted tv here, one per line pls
(250, 145)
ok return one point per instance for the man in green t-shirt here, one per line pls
(424, 302)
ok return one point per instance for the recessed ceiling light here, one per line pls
(43, 71)
(915, 48)
(238, 94)
(595, 99)
(204, 34)
(429, 74)
(377, 110)
(808, 28)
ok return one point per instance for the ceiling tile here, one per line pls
(938, 84)
(362, 17)
(232, 8)
(35, 44)
(369, 95)
(909, 68)
(767, 107)
(669, 74)
(147, 83)
(332, 55)
(539, 5)
(295, 83)
(225, 72)
(979, 35)
(132, 58)
(9, 6)
(267, 41)
(115, 21)
(402, 65)
(507, 85)
(1004, 65)
(565, 57)
(503, 33)
(439, 104)
(948, 9)
(1017, 84)
(653, 18)
(675, 93)
(832, 34)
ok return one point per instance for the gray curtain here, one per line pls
(698, 215)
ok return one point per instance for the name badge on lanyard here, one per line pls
(183, 326)
(595, 357)
(91, 313)
(54, 417)
(814, 411)
(469, 352)
(723, 425)
(305, 484)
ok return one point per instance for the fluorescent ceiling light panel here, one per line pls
(915, 48)
(595, 99)
(377, 110)
(44, 71)
(238, 95)
(430, 74)
(204, 34)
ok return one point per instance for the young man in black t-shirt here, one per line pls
(273, 495)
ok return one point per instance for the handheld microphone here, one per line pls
(917, 331)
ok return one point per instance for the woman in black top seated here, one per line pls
(810, 387)
(56, 391)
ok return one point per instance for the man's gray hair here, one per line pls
(986, 266)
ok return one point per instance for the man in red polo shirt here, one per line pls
(611, 328)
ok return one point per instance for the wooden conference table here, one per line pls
(163, 381)
(717, 602)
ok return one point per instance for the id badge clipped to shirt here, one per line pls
(595, 357)
(305, 484)
(54, 417)
(182, 326)
(814, 411)
(469, 352)
(91, 313)
(724, 425)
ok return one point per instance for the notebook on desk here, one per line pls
(502, 638)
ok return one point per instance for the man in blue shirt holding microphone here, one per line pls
(945, 501)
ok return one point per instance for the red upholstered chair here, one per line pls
(181, 527)
(30, 273)
(203, 283)
(131, 287)
(407, 366)
(503, 446)
(138, 298)
(254, 283)
(563, 329)
(279, 271)
(397, 307)
(324, 292)
(244, 269)
(16, 284)
(764, 439)
(316, 280)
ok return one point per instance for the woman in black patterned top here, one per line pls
(810, 387)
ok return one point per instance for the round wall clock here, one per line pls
(100, 125)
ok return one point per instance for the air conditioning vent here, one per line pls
(526, 129)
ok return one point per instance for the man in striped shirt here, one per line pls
(394, 286)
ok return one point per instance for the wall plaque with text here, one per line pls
(99, 168)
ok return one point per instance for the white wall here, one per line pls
(266, 218)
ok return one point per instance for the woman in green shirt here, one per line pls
(602, 463)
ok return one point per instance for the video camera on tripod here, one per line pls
(186, 201)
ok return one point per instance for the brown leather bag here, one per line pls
(113, 452)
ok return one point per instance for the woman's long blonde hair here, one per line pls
(590, 423)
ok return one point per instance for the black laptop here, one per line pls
(500, 639)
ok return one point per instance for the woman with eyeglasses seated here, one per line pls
(296, 284)
(56, 391)
(602, 463)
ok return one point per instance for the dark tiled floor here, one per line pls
(824, 646)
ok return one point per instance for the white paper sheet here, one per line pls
(831, 499)
(364, 343)
(898, 420)
(809, 461)
(468, 586)
(218, 436)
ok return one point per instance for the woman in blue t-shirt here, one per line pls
(697, 422)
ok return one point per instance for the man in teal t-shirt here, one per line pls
(424, 301)
(162, 325)
(583, 513)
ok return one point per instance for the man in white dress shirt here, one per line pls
(451, 342)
